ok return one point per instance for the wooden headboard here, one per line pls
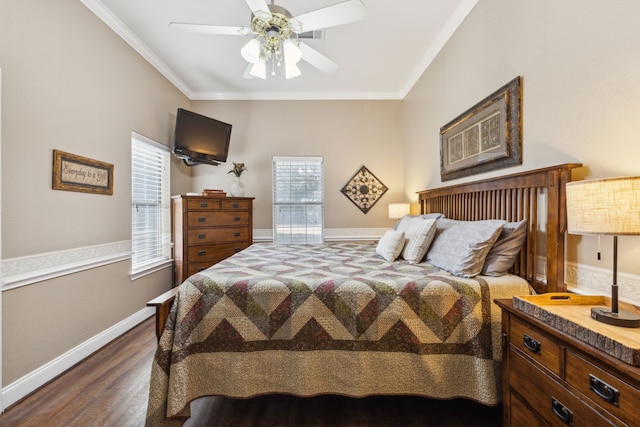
(537, 196)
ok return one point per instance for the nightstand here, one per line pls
(551, 378)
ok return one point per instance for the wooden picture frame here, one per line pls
(77, 173)
(486, 137)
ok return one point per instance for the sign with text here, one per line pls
(76, 173)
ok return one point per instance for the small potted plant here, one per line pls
(237, 188)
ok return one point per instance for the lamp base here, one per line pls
(622, 318)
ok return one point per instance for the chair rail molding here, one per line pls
(25, 270)
(588, 280)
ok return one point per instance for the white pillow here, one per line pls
(418, 232)
(390, 245)
(405, 220)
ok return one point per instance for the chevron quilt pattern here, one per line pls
(313, 303)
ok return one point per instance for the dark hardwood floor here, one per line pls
(110, 388)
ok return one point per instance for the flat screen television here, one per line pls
(200, 139)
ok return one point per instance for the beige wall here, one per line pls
(348, 134)
(70, 83)
(579, 64)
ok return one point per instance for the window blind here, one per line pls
(151, 215)
(298, 200)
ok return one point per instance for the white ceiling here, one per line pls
(380, 57)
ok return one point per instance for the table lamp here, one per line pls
(398, 210)
(606, 207)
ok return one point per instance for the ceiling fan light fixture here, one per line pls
(275, 35)
(291, 70)
(251, 51)
(259, 70)
(292, 53)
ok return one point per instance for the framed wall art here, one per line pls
(486, 137)
(364, 189)
(76, 173)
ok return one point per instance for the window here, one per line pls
(298, 200)
(150, 213)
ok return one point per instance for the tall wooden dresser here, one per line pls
(207, 230)
(550, 378)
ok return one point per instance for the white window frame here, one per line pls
(150, 168)
(311, 203)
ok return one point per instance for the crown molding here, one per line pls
(449, 28)
(100, 10)
(113, 22)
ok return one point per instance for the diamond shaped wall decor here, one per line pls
(364, 189)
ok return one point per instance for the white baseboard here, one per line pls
(36, 379)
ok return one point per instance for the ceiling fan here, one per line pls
(275, 35)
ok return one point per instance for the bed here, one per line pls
(341, 319)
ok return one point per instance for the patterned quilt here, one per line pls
(328, 319)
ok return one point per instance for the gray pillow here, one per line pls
(460, 247)
(504, 251)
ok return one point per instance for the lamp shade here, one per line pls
(398, 210)
(604, 206)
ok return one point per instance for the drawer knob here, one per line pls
(604, 390)
(204, 204)
(202, 219)
(237, 234)
(202, 236)
(532, 344)
(202, 253)
(236, 206)
(565, 415)
(236, 218)
(236, 250)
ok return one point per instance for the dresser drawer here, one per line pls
(537, 345)
(235, 204)
(206, 253)
(523, 415)
(197, 267)
(604, 388)
(548, 398)
(204, 204)
(199, 236)
(219, 218)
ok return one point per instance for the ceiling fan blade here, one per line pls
(317, 59)
(260, 8)
(210, 29)
(338, 14)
